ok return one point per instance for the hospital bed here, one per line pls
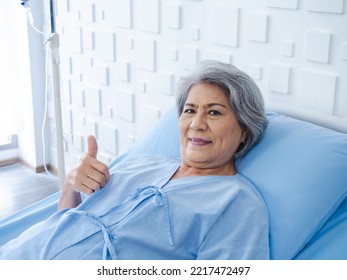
(299, 168)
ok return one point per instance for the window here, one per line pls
(10, 29)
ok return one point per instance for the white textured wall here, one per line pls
(120, 60)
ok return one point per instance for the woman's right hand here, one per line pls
(87, 177)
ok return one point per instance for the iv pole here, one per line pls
(54, 45)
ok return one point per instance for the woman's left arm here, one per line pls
(241, 232)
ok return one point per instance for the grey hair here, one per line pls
(244, 96)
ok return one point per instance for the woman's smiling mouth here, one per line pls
(199, 141)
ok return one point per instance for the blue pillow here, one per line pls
(298, 167)
(330, 243)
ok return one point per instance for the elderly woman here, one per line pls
(154, 207)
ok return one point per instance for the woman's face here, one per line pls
(210, 133)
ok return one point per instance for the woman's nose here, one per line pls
(198, 123)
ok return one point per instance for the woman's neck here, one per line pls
(187, 171)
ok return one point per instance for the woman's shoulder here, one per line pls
(248, 186)
(254, 197)
(237, 188)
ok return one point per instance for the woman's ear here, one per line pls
(244, 136)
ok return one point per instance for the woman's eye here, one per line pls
(189, 111)
(214, 113)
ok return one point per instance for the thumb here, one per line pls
(92, 146)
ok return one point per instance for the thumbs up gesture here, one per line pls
(92, 146)
(88, 176)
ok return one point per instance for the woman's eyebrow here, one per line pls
(208, 105)
(216, 104)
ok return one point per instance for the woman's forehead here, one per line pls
(207, 93)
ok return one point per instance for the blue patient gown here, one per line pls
(142, 214)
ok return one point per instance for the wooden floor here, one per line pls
(20, 187)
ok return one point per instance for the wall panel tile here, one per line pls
(224, 21)
(63, 6)
(287, 49)
(91, 127)
(285, 4)
(78, 141)
(256, 71)
(123, 12)
(105, 45)
(82, 121)
(69, 66)
(73, 35)
(279, 78)
(258, 27)
(149, 16)
(89, 12)
(124, 71)
(173, 15)
(79, 98)
(125, 105)
(130, 42)
(324, 6)
(146, 54)
(88, 39)
(149, 115)
(108, 140)
(141, 86)
(190, 56)
(67, 90)
(93, 100)
(166, 82)
(102, 74)
(317, 90)
(173, 54)
(318, 45)
(109, 111)
(195, 33)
